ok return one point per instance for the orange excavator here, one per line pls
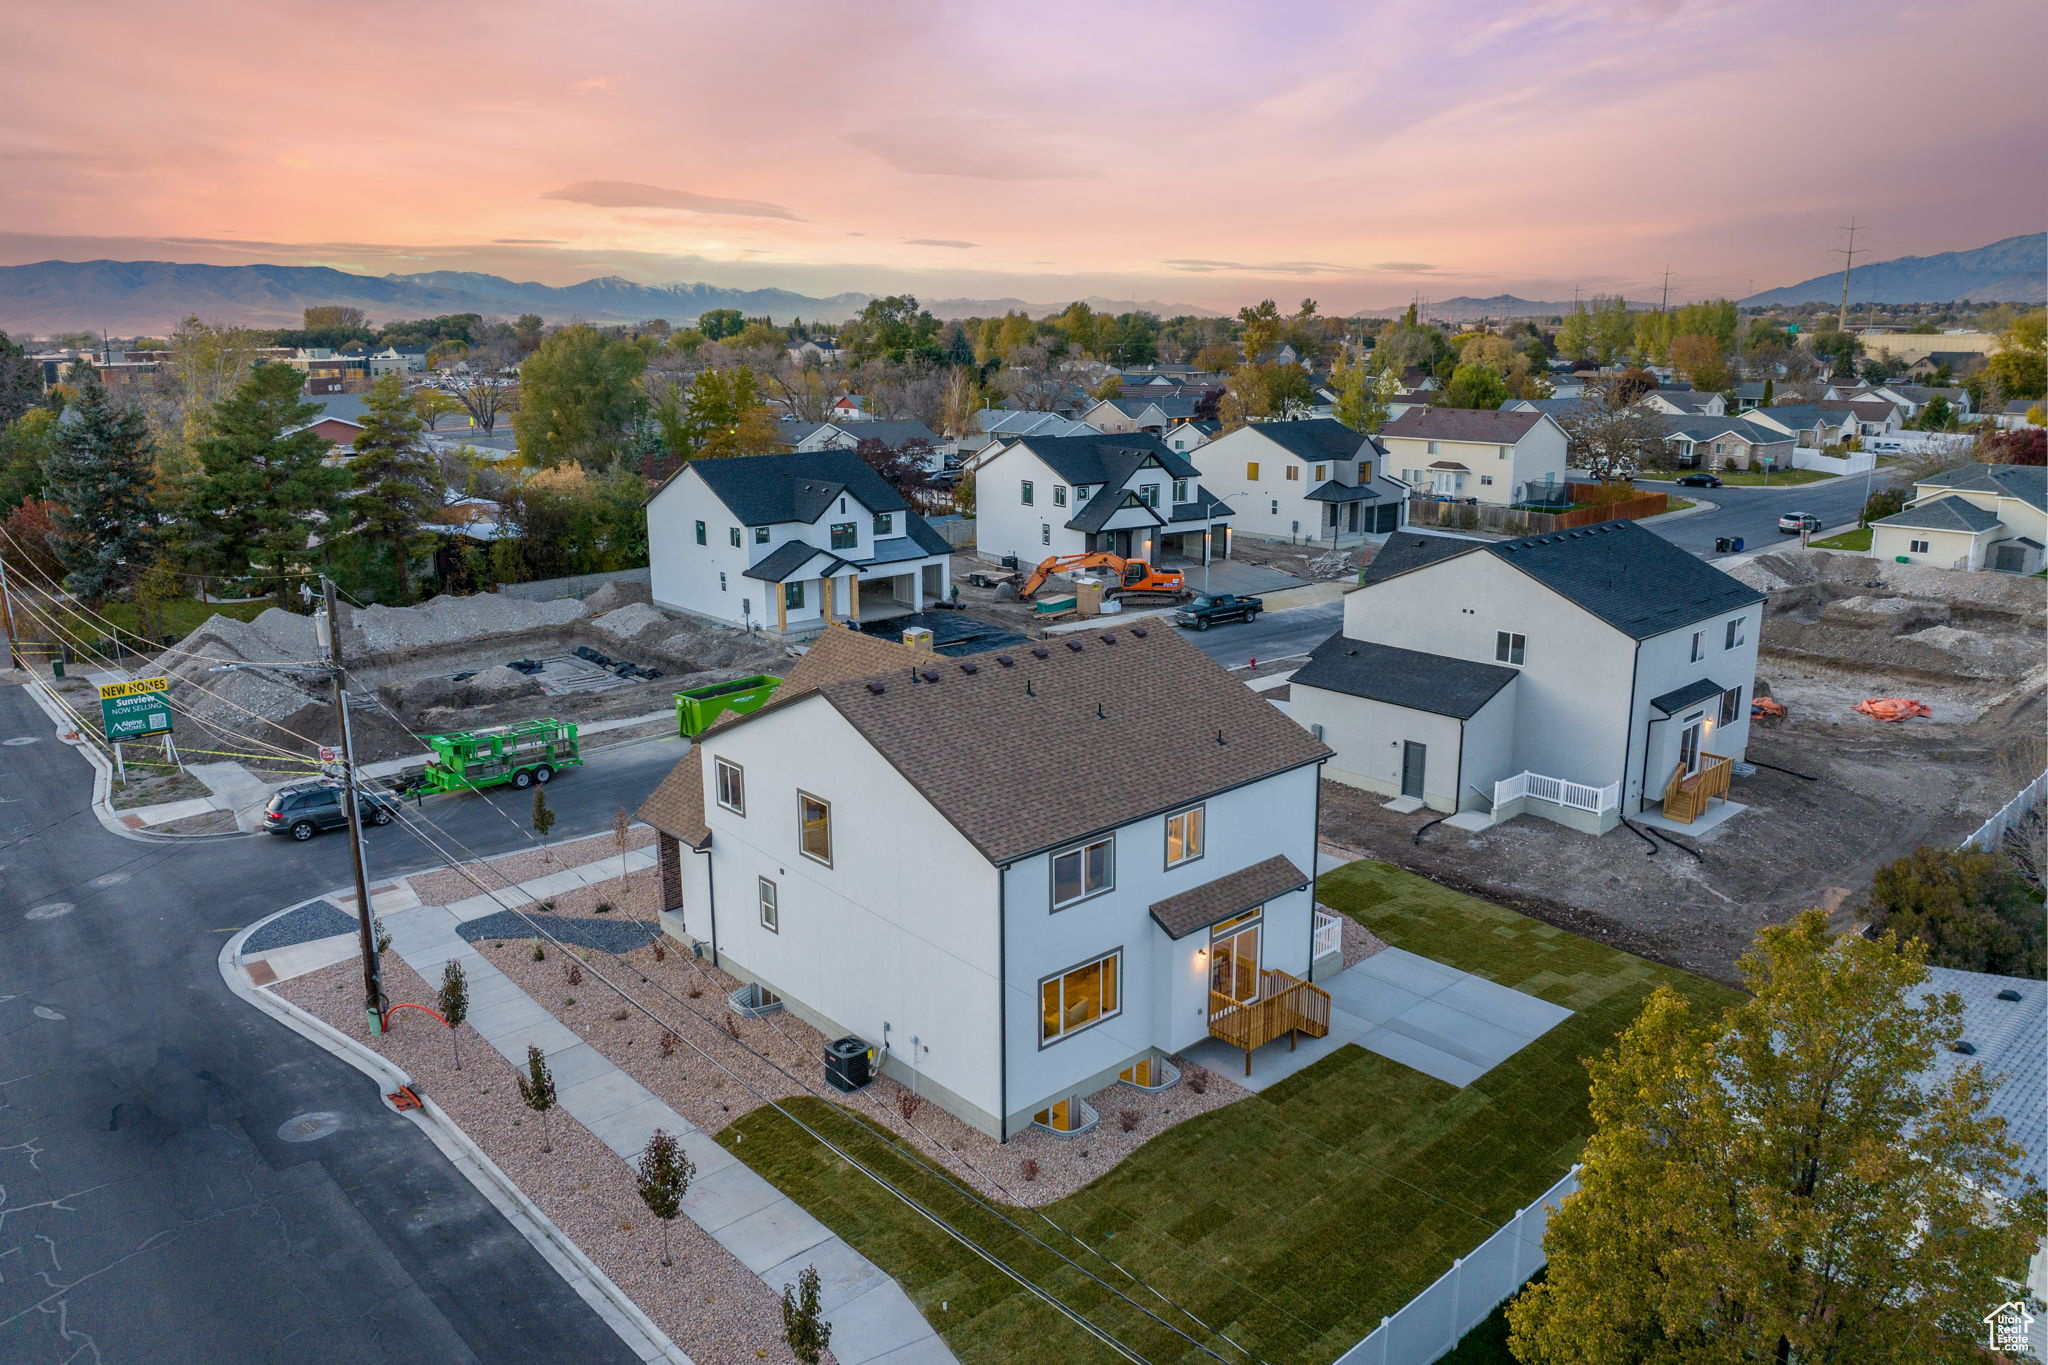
(1133, 575)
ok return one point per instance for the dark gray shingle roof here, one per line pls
(1319, 438)
(1436, 683)
(2028, 483)
(1943, 514)
(1633, 579)
(763, 490)
(1102, 458)
(785, 559)
(1498, 427)
(1407, 550)
(1691, 694)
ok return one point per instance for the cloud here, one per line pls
(528, 241)
(626, 194)
(972, 148)
(1197, 266)
(1404, 267)
(595, 85)
(937, 241)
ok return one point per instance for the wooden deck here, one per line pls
(1686, 797)
(1286, 1004)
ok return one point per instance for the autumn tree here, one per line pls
(430, 405)
(578, 399)
(1788, 1181)
(803, 1320)
(1363, 391)
(484, 398)
(720, 323)
(725, 415)
(1260, 327)
(99, 475)
(1217, 358)
(1701, 360)
(454, 1002)
(1611, 441)
(397, 482)
(261, 476)
(2019, 365)
(663, 1179)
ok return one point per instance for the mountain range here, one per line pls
(2012, 271)
(1465, 308)
(128, 298)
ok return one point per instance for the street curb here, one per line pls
(1698, 505)
(592, 1285)
(102, 774)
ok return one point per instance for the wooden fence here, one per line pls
(1515, 521)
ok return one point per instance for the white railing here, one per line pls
(1329, 933)
(1557, 791)
(1991, 833)
(1430, 1323)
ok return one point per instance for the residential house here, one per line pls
(814, 353)
(1476, 455)
(1684, 403)
(1718, 443)
(1980, 516)
(1315, 479)
(1811, 426)
(1749, 393)
(1190, 435)
(1954, 363)
(1566, 384)
(2018, 413)
(790, 543)
(1019, 877)
(843, 435)
(1012, 422)
(1127, 494)
(1117, 416)
(1416, 380)
(1874, 417)
(1571, 675)
(396, 360)
(1909, 399)
(848, 407)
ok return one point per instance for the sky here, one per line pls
(1209, 154)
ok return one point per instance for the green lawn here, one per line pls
(179, 618)
(1744, 478)
(1858, 539)
(1292, 1221)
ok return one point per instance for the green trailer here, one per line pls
(522, 754)
(698, 707)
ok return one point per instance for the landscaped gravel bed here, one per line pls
(605, 935)
(1360, 942)
(440, 888)
(717, 1310)
(320, 919)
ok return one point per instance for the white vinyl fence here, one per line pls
(1854, 462)
(1991, 833)
(1431, 1323)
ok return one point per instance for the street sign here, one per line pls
(329, 754)
(138, 709)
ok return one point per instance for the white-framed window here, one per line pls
(1293, 471)
(1505, 451)
(1080, 996)
(1918, 547)
(814, 827)
(732, 787)
(1276, 506)
(1059, 495)
(885, 523)
(1435, 448)
(1486, 480)
(1086, 870)
(1508, 647)
(1045, 533)
(771, 912)
(1148, 493)
(1185, 835)
(721, 580)
(1731, 705)
(1699, 645)
(1028, 493)
(1180, 490)
(1733, 639)
(732, 536)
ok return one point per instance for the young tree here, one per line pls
(454, 1005)
(664, 1178)
(397, 482)
(1787, 1182)
(543, 816)
(259, 487)
(100, 476)
(1110, 385)
(537, 1089)
(1363, 392)
(622, 829)
(431, 405)
(806, 1331)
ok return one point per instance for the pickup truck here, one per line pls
(1211, 608)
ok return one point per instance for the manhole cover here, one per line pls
(20, 740)
(309, 1127)
(110, 879)
(45, 1012)
(50, 910)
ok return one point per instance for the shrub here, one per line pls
(668, 1044)
(1972, 909)
(572, 974)
(660, 952)
(602, 908)
(1028, 1168)
(908, 1103)
(1884, 503)
(1127, 1119)
(1197, 1078)
(540, 954)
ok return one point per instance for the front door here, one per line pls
(1689, 745)
(1234, 959)
(1414, 757)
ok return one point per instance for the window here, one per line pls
(733, 535)
(1731, 706)
(1504, 450)
(1184, 836)
(1045, 533)
(1083, 995)
(721, 580)
(1180, 490)
(885, 523)
(793, 594)
(1148, 493)
(1029, 497)
(845, 535)
(771, 914)
(760, 535)
(700, 534)
(1059, 495)
(1734, 636)
(1435, 448)
(1251, 470)
(1293, 471)
(1319, 472)
(732, 787)
(1918, 547)
(1699, 645)
(1508, 647)
(1082, 872)
(1486, 480)
(1276, 506)
(814, 827)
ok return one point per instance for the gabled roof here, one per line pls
(1866, 409)
(1436, 683)
(1800, 416)
(1633, 579)
(889, 433)
(1110, 499)
(787, 559)
(763, 490)
(1495, 426)
(1407, 550)
(2028, 483)
(1106, 458)
(1228, 896)
(1695, 427)
(1949, 513)
(1551, 407)
(1205, 507)
(1319, 438)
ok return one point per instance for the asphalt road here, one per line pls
(149, 1210)
(1753, 512)
(1273, 635)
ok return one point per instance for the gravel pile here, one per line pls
(630, 622)
(614, 595)
(445, 621)
(321, 919)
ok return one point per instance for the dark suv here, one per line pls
(303, 809)
(1210, 608)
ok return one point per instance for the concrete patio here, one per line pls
(1441, 1021)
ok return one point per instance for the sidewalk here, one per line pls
(873, 1320)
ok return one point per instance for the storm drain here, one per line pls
(309, 1127)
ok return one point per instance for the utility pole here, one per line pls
(1665, 306)
(373, 972)
(7, 607)
(1848, 255)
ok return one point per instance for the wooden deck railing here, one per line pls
(1286, 1004)
(1685, 797)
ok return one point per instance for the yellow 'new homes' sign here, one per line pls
(139, 687)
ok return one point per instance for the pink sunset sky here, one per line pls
(1206, 154)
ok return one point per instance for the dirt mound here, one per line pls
(446, 621)
(1846, 575)
(635, 620)
(490, 686)
(1890, 614)
(616, 594)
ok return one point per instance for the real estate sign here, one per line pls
(137, 709)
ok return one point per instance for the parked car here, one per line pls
(304, 809)
(1210, 608)
(1792, 523)
(1700, 481)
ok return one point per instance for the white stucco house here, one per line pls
(1473, 454)
(1021, 877)
(1981, 516)
(1314, 479)
(1571, 675)
(1128, 494)
(790, 543)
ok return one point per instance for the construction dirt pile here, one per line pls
(487, 688)
(614, 595)
(446, 621)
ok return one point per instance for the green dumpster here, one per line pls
(698, 707)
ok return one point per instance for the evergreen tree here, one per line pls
(100, 475)
(21, 383)
(258, 487)
(398, 484)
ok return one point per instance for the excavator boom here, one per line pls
(1133, 575)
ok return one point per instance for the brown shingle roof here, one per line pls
(1496, 426)
(1094, 734)
(676, 807)
(1213, 902)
